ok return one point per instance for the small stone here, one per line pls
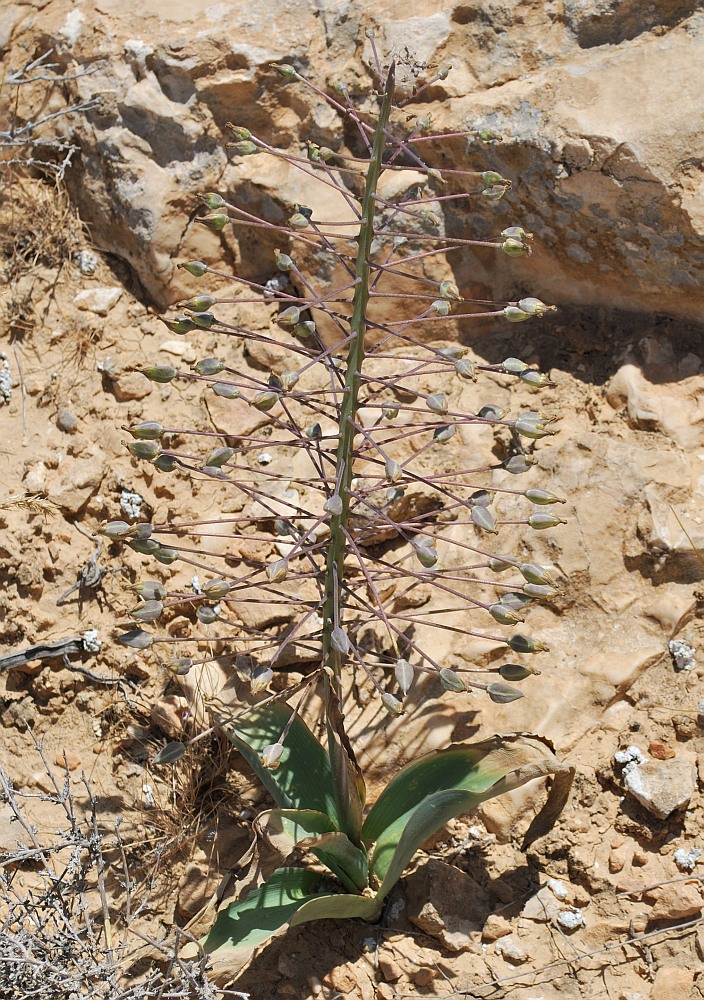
(542, 906)
(343, 979)
(390, 969)
(686, 860)
(66, 421)
(618, 858)
(661, 751)
(131, 385)
(673, 983)
(423, 977)
(179, 349)
(661, 786)
(677, 901)
(384, 991)
(682, 654)
(495, 927)
(98, 300)
(72, 760)
(570, 920)
(511, 950)
(86, 262)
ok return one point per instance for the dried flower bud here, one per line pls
(326, 154)
(225, 389)
(215, 589)
(505, 616)
(145, 450)
(536, 574)
(538, 591)
(515, 315)
(288, 380)
(392, 705)
(423, 122)
(534, 306)
(339, 641)
(516, 600)
(298, 221)
(243, 148)
(502, 694)
(195, 267)
(261, 678)
(148, 611)
(492, 412)
(466, 370)
(481, 498)
(150, 590)
(136, 638)
(515, 248)
(516, 671)
(444, 433)
(516, 233)
(180, 666)
(283, 261)
(171, 753)
(484, 519)
(333, 505)
(277, 571)
(148, 430)
(239, 132)
(304, 330)
(450, 680)
(526, 644)
(518, 464)
(180, 324)
(441, 307)
(542, 497)
(513, 366)
(114, 529)
(264, 400)
(271, 756)
(159, 373)
(437, 402)
(217, 221)
(426, 555)
(541, 521)
(206, 615)
(449, 290)
(166, 555)
(491, 177)
(219, 457)
(208, 366)
(404, 675)
(393, 471)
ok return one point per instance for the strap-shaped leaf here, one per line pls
(454, 781)
(348, 782)
(340, 855)
(303, 779)
(285, 829)
(337, 908)
(267, 909)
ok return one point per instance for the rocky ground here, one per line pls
(610, 903)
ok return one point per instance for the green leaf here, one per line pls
(303, 779)
(340, 855)
(347, 780)
(285, 829)
(446, 783)
(337, 907)
(267, 909)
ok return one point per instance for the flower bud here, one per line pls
(206, 615)
(392, 705)
(489, 135)
(541, 521)
(450, 680)
(271, 756)
(437, 402)
(502, 694)
(484, 519)
(515, 248)
(277, 571)
(217, 221)
(515, 315)
(145, 546)
(208, 366)
(534, 306)
(538, 591)
(148, 430)
(404, 675)
(203, 320)
(264, 400)
(150, 590)
(166, 555)
(165, 463)
(148, 611)
(449, 290)
(542, 497)
(219, 457)
(215, 589)
(304, 330)
(171, 753)
(444, 433)
(516, 233)
(298, 221)
(426, 555)
(492, 412)
(195, 267)
(286, 71)
(283, 261)
(136, 638)
(516, 671)
(495, 193)
(289, 317)
(532, 425)
(145, 450)
(443, 72)
(423, 122)
(180, 324)
(515, 600)
(200, 303)
(513, 366)
(440, 307)
(535, 378)
(114, 529)
(288, 380)
(499, 564)
(159, 373)
(239, 132)
(243, 148)
(333, 505)
(526, 644)
(225, 389)
(326, 154)
(339, 641)
(518, 464)
(505, 616)
(536, 574)
(481, 498)
(393, 471)
(389, 412)
(466, 370)
(180, 666)
(491, 177)
(261, 679)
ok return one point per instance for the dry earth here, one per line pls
(609, 905)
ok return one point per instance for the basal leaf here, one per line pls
(334, 907)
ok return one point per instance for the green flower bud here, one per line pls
(333, 505)
(437, 402)
(536, 574)
(289, 317)
(206, 615)
(166, 555)
(171, 753)
(423, 122)
(538, 591)
(435, 175)
(450, 680)
(148, 430)
(515, 248)
(534, 306)
(288, 380)
(499, 564)
(444, 433)
(286, 71)
(440, 307)
(159, 373)
(136, 638)
(304, 330)
(219, 457)
(165, 463)
(430, 219)
(389, 412)
(326, 154)
(217, 221)
(265, 400)
(516, 671)
(199, 303)
(492, 412)
(148, 611)
(536, 379)
(481, 498)
(542, 497)
(179, 324)
(495, 193)
(525, 644)
(180, 666)
(502, 694)
(443, 72)
(283, 261)
(225, 389)
(491, 177)
(271, 756)
(277, 571)
(239, 132)
(532, 425)
(489, 135)
(404, 675)
(515, 315)
(449, 290)
(395, 493)
(145, 450)
(298, 221)
(195, 267)
(243, 148)
(150, 590)
(453, 353)
(215, 589)
(484, 519)
(426, 555)
(339, 641)
(392, 705)
(114, 529)
(541, 521)
(518, 464)
(213, 201)
(513, 366)
(145, 546)
(208, 366)
(516, 233)
(505, 616)
(466, 370)
(204, 320)
(393, 471)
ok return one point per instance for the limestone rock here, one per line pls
(97, 300)
(661, 786)
(676, 901)
(445, 903)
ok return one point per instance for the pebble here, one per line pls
(86, 262)
(495, 927)
(511, 950)
(180, 349)
(98, 300)
(661, 786)
(682, 654)
(131, 385)
(66, 421)
(676, 901)
(72, 759)
(423, 977)
(389, 968)
(686, 860)
(570, 920)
